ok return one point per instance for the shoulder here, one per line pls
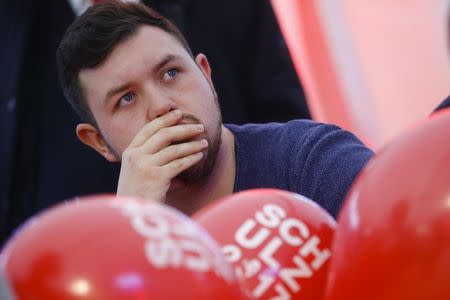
(295, 127)
(327, 161)
(304, 133)
(300, 141)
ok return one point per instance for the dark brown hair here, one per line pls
(91, 38)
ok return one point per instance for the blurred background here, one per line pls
(372, 67)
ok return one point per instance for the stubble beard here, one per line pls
(204, 167)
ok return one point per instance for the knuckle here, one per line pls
(179, 164)
(134, 161)
(158, 122)
(177, 150)
(146, 130)
(164, 132)
(129, 156)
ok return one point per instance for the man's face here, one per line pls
(145, 77)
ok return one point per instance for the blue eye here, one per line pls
(127, 98)
(172, 73)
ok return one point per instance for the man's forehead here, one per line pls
(115, 71)
(149, 43)
(147, 48)
(151, 37)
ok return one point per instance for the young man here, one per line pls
(146, 101)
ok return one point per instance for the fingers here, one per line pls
(166, 120)
(159, 152)
(177, 151)
(177, 166)
(166, 136)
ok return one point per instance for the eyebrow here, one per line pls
(121, 88)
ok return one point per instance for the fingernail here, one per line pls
(204, 142)
(176, 112)
(199, 127)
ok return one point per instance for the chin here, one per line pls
(195, 173)
(204, 167)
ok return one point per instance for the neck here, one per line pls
(192, 197)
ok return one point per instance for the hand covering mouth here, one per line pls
(188, 121)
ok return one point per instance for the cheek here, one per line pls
(201, 96)
(122, 132)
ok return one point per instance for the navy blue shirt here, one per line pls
(443, 105)
(315, 160)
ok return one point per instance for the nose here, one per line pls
(159, 105)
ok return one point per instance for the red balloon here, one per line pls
(393, 236)
(279, 242)
(105, 247)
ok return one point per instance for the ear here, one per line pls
(203, 64)
(90, 136)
